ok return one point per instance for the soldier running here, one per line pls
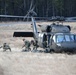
(5, 47)
(26, 45)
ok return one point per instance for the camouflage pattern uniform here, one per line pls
(35, 46)
(26, 45)
(5, 47)
(44, 44)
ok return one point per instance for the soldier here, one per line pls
(45, 44)
(26, 45)
(5, 47)
(35, 46)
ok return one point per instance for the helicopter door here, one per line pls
(52, 42)
(42, 40)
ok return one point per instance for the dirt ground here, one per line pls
(29, 63)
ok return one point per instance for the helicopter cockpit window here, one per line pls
(75, 37)
(60, 38)
(66, 38)
(72, 37)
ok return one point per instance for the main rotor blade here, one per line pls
(33, 7)
(11, 16)
(31, 4)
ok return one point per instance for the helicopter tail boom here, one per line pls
(34, 28)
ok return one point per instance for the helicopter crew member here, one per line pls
(5, 47)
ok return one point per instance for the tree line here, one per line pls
(43, 8)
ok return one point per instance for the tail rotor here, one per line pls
(30, 12)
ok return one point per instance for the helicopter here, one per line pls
(54, 37)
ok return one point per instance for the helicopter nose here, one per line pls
(69, 46)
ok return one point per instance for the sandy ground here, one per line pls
(28, 63)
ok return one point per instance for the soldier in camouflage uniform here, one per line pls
(26, 45)
(5, 47)
(34, 43)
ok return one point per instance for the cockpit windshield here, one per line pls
(65, 38)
